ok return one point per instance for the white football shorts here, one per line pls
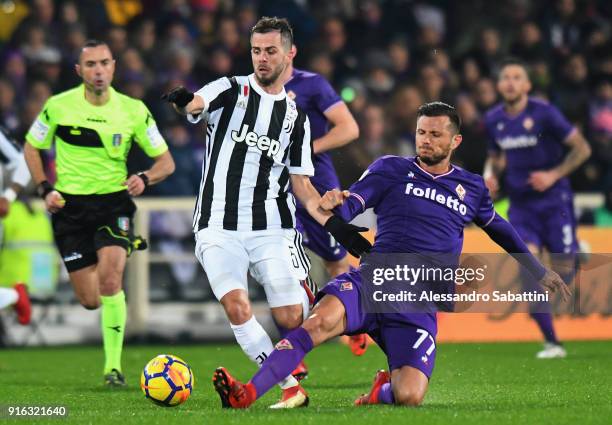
(274, 257)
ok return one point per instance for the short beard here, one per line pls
(434, 159)
(272, 79)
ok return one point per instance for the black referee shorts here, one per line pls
(90, 222)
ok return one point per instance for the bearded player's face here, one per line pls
(96, 67)
(270, 58)
(435, 139)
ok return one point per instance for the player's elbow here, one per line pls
(586, 150)
(352, 130)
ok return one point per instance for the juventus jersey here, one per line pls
(254, 141)
(11, 159)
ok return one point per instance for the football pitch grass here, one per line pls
(472, 383)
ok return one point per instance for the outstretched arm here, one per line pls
(503, 234)
(346, 234)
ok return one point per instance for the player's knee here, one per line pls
(289, 317)
(90, 303)
(238, 312)
(319, 325)
(110, 285)
(408, 397)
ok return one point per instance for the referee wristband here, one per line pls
(44, 188)
(143, 177)
(10, 195)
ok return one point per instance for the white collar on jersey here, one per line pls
(416, 162)
(261, 92)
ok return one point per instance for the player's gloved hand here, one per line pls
(553, 281)
(180, 96)
(348, 235)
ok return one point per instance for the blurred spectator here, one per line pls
(529, 46)
(399, 53)
(8, 108)
(485, 94)
(563, 27)
(402, 112)
(572, 91)
(335, 40)
(488, 51)
(372, 144)
(472, 152)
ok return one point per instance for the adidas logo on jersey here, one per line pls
(263, 143)
(429, 193)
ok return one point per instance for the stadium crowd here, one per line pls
(385, 58)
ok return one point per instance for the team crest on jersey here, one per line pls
(460, 191)
(411, 175)
(123, 223)
(284, 344)
(528, 123)
(346, 286)
(116, 140)
(291, 94)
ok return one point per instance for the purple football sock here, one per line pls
(385, 396)
(544, 321)
(282, 361)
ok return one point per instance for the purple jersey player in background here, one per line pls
(408, 222)
(537, 148)
(331, 126)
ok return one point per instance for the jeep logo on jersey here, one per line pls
(263, 143)
(429, 193)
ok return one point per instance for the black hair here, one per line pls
(512, 61)
(440, 109)
(267, 24)
(92, 42)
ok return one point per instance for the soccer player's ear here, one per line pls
(292, 51)
(457, 139)
(77, 69)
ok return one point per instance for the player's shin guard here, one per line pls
(286, 356)
(114, 313)
(257, 345)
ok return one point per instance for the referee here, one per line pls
(93, 127)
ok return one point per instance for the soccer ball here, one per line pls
(167, 380)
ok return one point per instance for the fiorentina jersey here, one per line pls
(418, 212)
(314, 95)
(533, 140)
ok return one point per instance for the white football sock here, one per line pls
(257, 345)
(8, 296)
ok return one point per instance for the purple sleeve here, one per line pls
(486, 211)
(365, 193)
(503, 234)
(325, 96)
(557, 124)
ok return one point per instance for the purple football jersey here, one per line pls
(314, 95)
(532, 141)
(418, 212)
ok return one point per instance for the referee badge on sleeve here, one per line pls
(116, 140)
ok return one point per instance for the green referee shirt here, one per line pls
(92, 142)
